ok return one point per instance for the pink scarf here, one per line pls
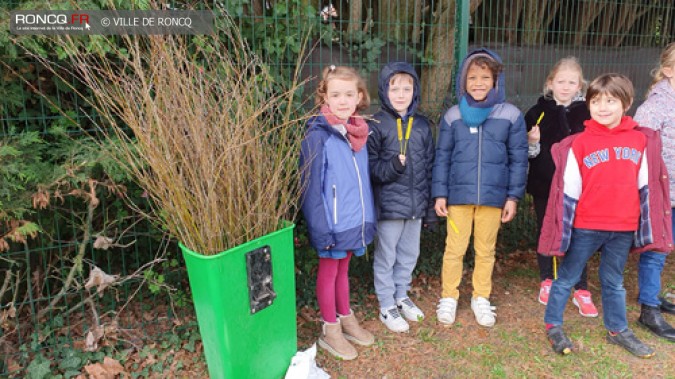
(357, 128)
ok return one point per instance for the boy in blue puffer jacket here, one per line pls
(479, 174)
(400, 154)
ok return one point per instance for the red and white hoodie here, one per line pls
(604, 173)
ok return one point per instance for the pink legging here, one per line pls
(332, 287)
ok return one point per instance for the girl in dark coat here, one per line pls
(560, 112)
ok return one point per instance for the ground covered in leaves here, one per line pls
(515, 347)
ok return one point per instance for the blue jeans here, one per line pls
(614, 248)
(649, 275)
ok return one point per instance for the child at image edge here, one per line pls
(657, 112)
(401, 151)
(478, 176)
(561, 111)
(337, 202)
(609, 193)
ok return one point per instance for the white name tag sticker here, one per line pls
(473, 130)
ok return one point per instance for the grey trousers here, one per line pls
(396, 253)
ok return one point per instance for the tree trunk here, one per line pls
(628, 14)
(386, 17)
(495, 20)
(512, 10)
(606, 24)
(476, 17)
(417, 22)
(355, 17)
(646, 33)
(473, 5)
(440, 45)
(480, 22)
(668, 25)
(396, 18)
(255, 8)
(589, 11)
(537, 16)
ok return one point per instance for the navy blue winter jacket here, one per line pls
(337, 199)
(485, 165)
(401, 192)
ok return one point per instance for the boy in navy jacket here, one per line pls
(400, 152)
(479, 174)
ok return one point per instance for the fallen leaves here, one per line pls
(108, 369)
(10, 312)
(103, 242)
(99, 279)
(92, 338)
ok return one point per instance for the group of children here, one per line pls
(599, 180)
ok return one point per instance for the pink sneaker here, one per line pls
(582, 299)
(544, 290)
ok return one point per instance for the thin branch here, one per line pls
(77, 262)
(5, 283)
(94, 313)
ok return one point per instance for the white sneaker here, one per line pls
(446, 310)
(483, 311)
(409, 310)
(393, 320)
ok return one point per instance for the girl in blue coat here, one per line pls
(337, 202)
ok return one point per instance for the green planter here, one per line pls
(246, 338)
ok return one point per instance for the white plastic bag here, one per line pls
(303, 366)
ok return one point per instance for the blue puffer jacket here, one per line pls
(485, 165)
(401, 192)
(337, 200)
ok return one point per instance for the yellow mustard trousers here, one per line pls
(485, 222)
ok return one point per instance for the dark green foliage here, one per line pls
(279, 35)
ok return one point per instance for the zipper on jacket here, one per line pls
(480, 161)
(335, 219)
(363, 207)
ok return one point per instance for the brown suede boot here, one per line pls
(335, 343)
(354, 332)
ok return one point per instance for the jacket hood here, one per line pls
(389, 70)
(498, 93)
(593, 127)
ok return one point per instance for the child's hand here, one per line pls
(401, 158)
(533, 135)
(441, 207)
(509, 211)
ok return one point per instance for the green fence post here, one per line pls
(462, 17)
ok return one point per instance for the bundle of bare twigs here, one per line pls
(205, 130)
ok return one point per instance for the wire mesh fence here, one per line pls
(606, 36)
(51, 178)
